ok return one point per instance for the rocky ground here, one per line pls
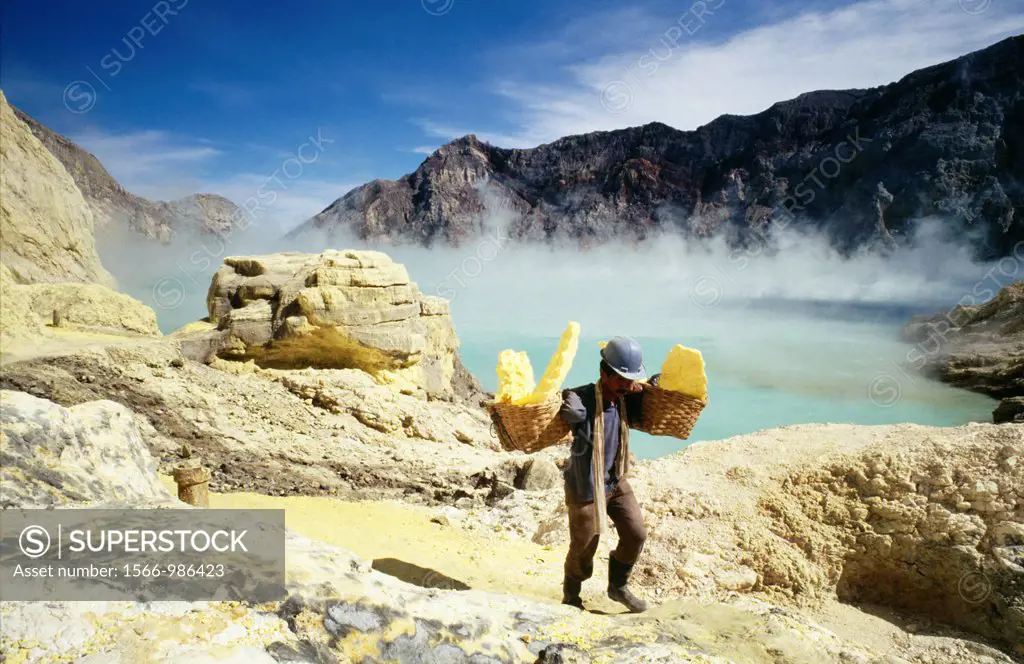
(324, 432)
(796, 518)
(805, 513)
(340, 608)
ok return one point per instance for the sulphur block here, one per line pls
(515, 376)
(558, 367)
(683, 372)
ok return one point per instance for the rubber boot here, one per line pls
(618, 578)
(571, 592)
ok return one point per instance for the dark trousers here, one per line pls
(623, 511)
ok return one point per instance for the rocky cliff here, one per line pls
(862, 165)
(112, 204)
(45, 224)
(979, 347)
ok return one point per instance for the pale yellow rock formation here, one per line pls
(96, 449)
(338, 309)
(33, 315)
(18, 322)
(46, 225)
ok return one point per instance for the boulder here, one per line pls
(563, 653)
(92, 452)
(46, 225)
(1009, 410)
(199, 341)
(539, 474)
(979, 347)
(335, 310)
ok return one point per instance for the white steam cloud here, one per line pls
(796, 335)
(654, 288)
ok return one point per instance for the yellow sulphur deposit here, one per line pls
(683, 372)
(515, 376)
(558, 366)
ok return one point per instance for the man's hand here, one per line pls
(636, 386)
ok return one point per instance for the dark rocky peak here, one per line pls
(862, 166)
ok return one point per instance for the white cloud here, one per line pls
(864, 44)
(422, 149)
(287, 208)
(144, 156)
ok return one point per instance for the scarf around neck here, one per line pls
(597, 458)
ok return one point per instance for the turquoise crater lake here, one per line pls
(818, 344)
(783, 369)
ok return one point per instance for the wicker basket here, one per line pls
(668, 413)
(529, 428)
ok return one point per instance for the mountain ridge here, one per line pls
(111, 202)
(944, 141)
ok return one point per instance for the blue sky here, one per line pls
(182, 96)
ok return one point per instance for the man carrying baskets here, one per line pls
(600, 470)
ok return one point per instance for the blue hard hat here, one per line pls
(624, 356)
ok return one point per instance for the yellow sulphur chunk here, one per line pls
(515, 376)
(683, 372)
(558, 367)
